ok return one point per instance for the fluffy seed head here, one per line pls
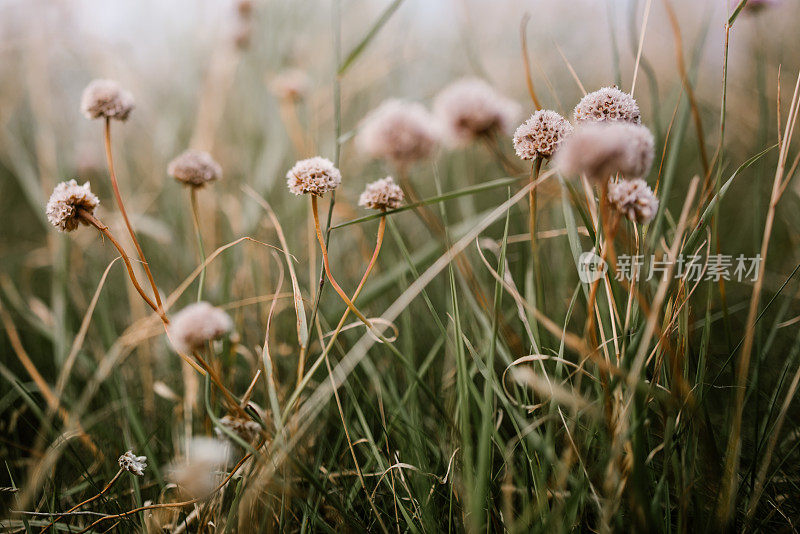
(132, 463)
(194, 168)
(470, 108)
(196, 324)
(198, 471)
(601, 150)
(314, 175)
(541, 135)
(634, 199)
(398, 131)
(382, 195)
(291, 84)
(608, 104)
(105, 98)
(66, 200)
(247, 429)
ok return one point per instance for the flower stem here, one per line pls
(200, 246)
(87, 501)
(326, 264)
(118, 196)
(91, 219)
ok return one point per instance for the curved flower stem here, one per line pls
(335, 285)
(118, 196)
(536, 166)
(200, 246)
(235, 405)
(91, 219)
(87, 501)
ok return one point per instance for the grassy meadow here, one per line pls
(479, 382)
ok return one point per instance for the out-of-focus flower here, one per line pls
(198, 471)
(105, 98)
(66, 200)
(314, 176)
(398, 131)
(470, 108)
(290, 84)
(195, 168)
(608, 104)
(382, 195)
(132, 463)
(541, 135)
(602, 150)
(633, 199)
(197, 324)
(754, 6)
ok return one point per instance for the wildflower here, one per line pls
(194, 168)
(247, 429)
(471, 108)
(398, 131)
(197, 472)
(105, 98)
(608, 104)
(541, 135)
(197, 324)
(634, 199)
(599, 150)
(132, 463)
(66, 200)
(382, 195)
(291, 84)
(314, 175)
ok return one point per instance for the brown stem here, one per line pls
(216, 379)
(118, 196)
(91, 219)
(325, 262)
(87, 501)
(536, 166)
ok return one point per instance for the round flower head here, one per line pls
(398, 131)
(608, 104)
(66, 200)
(197, 324)
(195, 168)
(634, 199)
(132, 463)
(382, 195)
(247, 429)
(291, 84)
(470, 108)
(314, 175)
(105, 98)
(541, 135)
(198, 471)
(602, 150)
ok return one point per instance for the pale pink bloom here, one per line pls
(382, 195)
(66, 200)
(602, 150)
(315, 176)
(105, 98)
(541, 135)
(470, 108)
(132, 463)
(633, 199)
(607, 104)
(197, 324)
(398, 131)
(194, 168)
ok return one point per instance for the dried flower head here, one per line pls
(608, 104)
(66, 200)
(195, 168)
(541, 135)
(290, 84)
(602, 150)
(382, 195)
(314, 175)
(754, 6)
(132, 463)
(197, 324)
(470, 108)
(198, 471)
(247, 429)
(398, 131)
(105, 98)
(244, 8)
(634, 199)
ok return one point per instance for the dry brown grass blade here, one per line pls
(523, 34)
(727, 496)
(645, 17)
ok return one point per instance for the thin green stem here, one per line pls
(200, 246)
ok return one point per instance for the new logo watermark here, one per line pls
(692, 268)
